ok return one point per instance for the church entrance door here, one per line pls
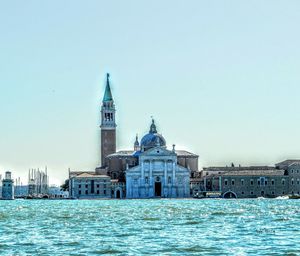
(118, 194)
(158, 189)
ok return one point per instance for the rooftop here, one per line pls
(251, 172)
(87, 175)
(127, 153)
(288, 162)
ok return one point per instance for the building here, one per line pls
(252, 181)
(8, 187)
(158, 173)
(88, 185)
(108, 124)
(56, 192)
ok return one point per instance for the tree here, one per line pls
(65, 186)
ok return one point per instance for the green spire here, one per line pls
(107, 94)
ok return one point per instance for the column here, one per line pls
(150, 171)
(151, 192)
(174, 185)
(174, 171)
(143, 171)
(166, 178)
(220, 183)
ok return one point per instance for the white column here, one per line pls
(151, 192)
(143, 172)
(166, 178)
(150, 171)
(220, 183)
(173, 172)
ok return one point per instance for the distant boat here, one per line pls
(294, 196)
(282, 197)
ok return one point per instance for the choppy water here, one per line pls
(153, 227)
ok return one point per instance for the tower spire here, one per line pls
(107, 93)
(136, 143)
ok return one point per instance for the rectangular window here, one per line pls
(266, 182)
(258, 182)
(104, 192)
(98, 192)
(86, 186)
(98, 185)
(242, 182)
(283, 181)
(273, 182)
(251, 182)
(225, 182)
(79, 186)
(86, 192)
(79, 192)
(232, 182)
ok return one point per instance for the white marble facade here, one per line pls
(157, 175)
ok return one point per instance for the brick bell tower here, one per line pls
(108, 124)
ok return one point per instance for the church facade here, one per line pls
(158, 173)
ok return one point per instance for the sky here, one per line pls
(220, 78)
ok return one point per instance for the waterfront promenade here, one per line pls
(163, 227)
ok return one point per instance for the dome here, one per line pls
(152, 139)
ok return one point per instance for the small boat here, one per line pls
(282, 197)
(294, 196)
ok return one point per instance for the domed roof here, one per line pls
(152, 139)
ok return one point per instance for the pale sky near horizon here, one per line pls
(221, 79)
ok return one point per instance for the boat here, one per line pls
(282, 197)
(294, 196)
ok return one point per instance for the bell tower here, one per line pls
(108, 124)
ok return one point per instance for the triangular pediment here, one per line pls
(158, 151)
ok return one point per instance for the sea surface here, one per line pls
(150, 227)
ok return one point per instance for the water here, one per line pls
(150, 227)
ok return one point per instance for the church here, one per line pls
(157, 174)
(148, 170)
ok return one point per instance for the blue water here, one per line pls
(150, 227)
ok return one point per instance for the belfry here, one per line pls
(108, 124)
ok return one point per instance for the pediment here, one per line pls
(158, 151)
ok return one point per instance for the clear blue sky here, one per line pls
(221, 78)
